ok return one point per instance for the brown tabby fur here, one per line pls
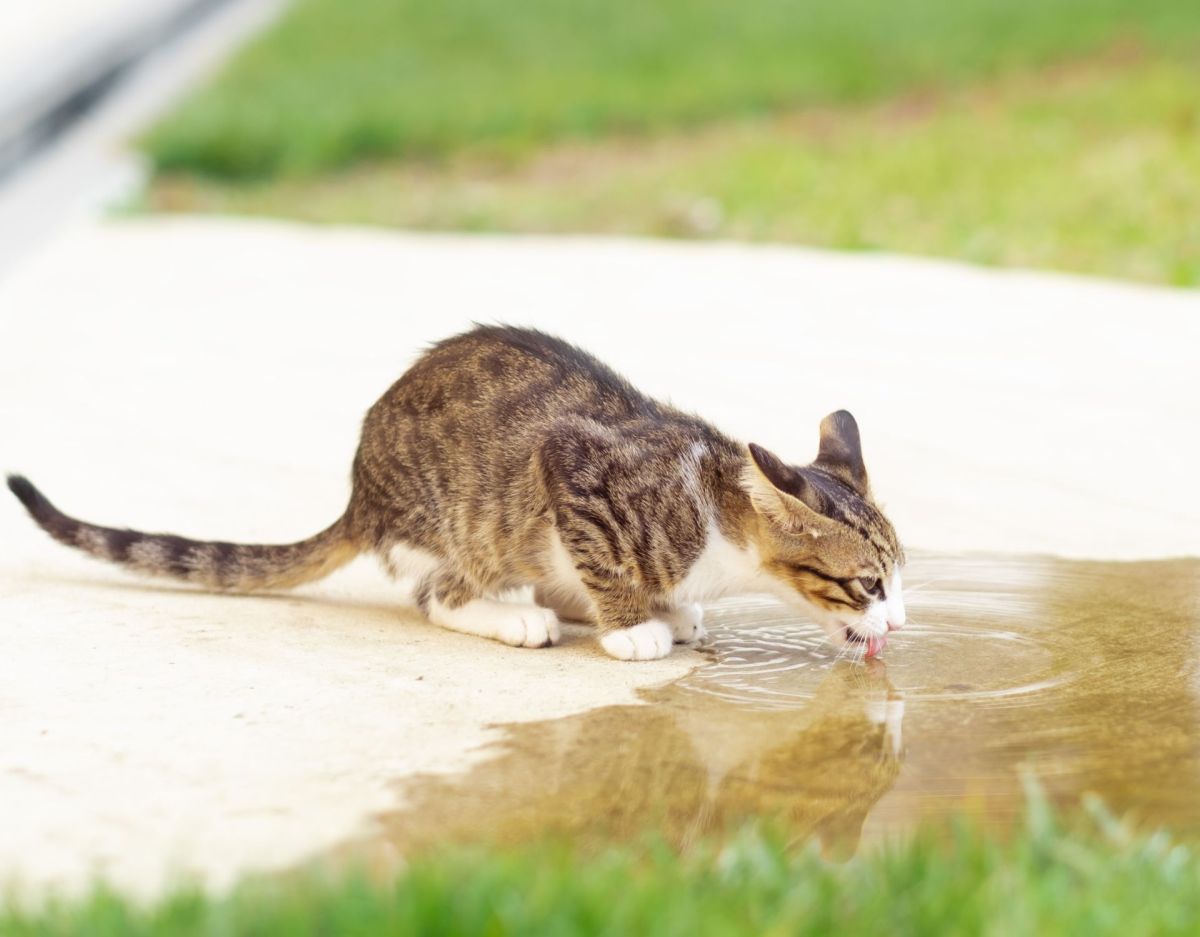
(495, 439)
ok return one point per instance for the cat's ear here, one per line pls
(841, 451)
(781, 493)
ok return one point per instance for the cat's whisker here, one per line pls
(842, 652)
(918, 587)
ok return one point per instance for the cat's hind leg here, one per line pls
(449, 600)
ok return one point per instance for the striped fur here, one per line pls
(212, 564)
(506, 458)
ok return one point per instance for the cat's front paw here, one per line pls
(648, 641)
(686, 623)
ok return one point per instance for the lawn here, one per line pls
(340, 81)
(1092, 168)
(1048, 133)
(1101, 880)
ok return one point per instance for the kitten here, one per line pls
(506, 458)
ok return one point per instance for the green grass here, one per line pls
(1092, 168)
(1061, 134)
(337, 82)
(1102, 879)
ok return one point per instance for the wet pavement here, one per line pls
(1086, 674)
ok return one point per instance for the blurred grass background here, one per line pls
(1095, 880)
(1052, 133)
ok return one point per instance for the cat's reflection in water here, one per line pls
(818, 770)
(686, 766)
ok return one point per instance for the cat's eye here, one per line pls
(870, 585)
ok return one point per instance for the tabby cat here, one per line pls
(505, 458)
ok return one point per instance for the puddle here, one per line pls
(1086, 673)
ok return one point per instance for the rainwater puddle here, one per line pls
(1087, 674)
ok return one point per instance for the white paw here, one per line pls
(648, 641)
(527, 626)
(686, 623)
(519, 625)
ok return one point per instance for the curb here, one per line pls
(40, 99)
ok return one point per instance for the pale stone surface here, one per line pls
(208, 378)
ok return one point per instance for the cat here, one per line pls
(506, 458)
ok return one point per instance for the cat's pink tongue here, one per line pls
(875, 645)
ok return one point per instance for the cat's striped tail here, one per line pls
(215, 565)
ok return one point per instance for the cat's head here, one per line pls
(823, 542)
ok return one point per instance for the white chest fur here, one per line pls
(723, 568)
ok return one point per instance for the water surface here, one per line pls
(1085, 673)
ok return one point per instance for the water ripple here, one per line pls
(767, 657)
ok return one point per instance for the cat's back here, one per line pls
(504, 371)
